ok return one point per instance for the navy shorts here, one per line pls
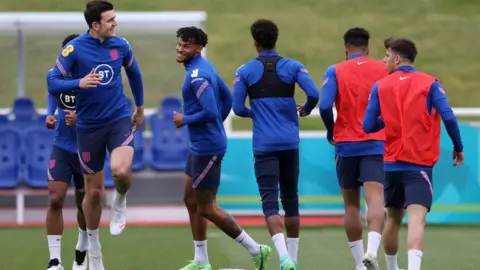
(205, 171)
(93, 143)
(64, 166)
(277, 169)
(403, 188)
(352, 172)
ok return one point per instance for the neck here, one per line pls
(94, 34)
(259, 50)
(351, 52)
(405, 65)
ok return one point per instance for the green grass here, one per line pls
(310, 31)
(170, 247)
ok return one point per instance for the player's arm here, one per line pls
(371, 121)
(439, 101)
(329, 94)
(57, 79)
(308, 86)
(205, 95)
(240, 96)
(225, 97)
(134, 75)
(52, 104)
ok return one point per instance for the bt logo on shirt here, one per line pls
(105, 72)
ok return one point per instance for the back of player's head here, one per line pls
(194, 35)
(68, 39)
(356, 37)
(94, 9)
(403, 47)
(265, 33)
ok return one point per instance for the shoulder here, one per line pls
(71, 48)
(330, 71)
(246, 67)
(122, 42)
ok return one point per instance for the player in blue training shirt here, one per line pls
(64, 167)
(206, 103)
(269, 82)
(95, 60)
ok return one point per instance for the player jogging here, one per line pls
(206, 103)
(104, 122)
(358, 156)
(64, 167)
(269, 82)
(410, 104)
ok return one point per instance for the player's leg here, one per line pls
(120, 146)
(80, 261)
(92, 152)
(372, 176)
(348, 174)
(58, 181)
(206, 180)
(198, 224)
(394, 195)
(418, 200)
(288, 180)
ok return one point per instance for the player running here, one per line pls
(206, 103)
(95, 60)
(64, 167)
(410, 104)
(269, 82)
(358, 156)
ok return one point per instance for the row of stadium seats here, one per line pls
(25, 145)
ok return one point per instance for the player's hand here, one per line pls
(50, 122)
(301, 111)
(137, 118)
(177, 119)
(70, 118)
(458, 157)
(91, 80)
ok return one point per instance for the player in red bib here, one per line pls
(358, 156)
(409, 104)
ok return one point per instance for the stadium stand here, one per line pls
(10, 159)
(38, 144)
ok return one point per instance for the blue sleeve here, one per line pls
(329, 94)
(439, 101)
(204, 92)
(225, 97)
(308, 86)
(52, 104)
(57, 80)
(372, 122)
(240, 96)
(134, 76)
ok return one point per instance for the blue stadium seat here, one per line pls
(41, 119)
(10, 164)
(3, 120)
(169, 146)
(23, 108)
(139, 156)
(170, 104)
(39, 143)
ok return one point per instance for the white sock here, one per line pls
(201, 253)
(247, 242)
(120, 199)
(279, 242)
(392, 263)
(356, 247)
(93, 241)
(414, 259)
(374, 239)
(55, 246)
(292, 247)
(82, 242)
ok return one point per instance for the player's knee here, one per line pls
(56, 201)
(206, 210)
(290, 206)
(270, 208)
(94, 194)
(120, 171)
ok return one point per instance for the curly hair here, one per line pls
(193, 34)
(265, 33)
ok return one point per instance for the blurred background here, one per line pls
(311, 31)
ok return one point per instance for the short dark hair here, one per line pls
(265, 33)
(404, 47)
(193, 34)
(94, 9)
(68, 39)
(356, 37)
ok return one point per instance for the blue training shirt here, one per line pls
(329, 95)
(436, 98)
(65, 137)
(107, 102)
(207, 101)
(275, 119)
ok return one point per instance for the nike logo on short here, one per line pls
(404, 78)
(360, 63)
(353, 246)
